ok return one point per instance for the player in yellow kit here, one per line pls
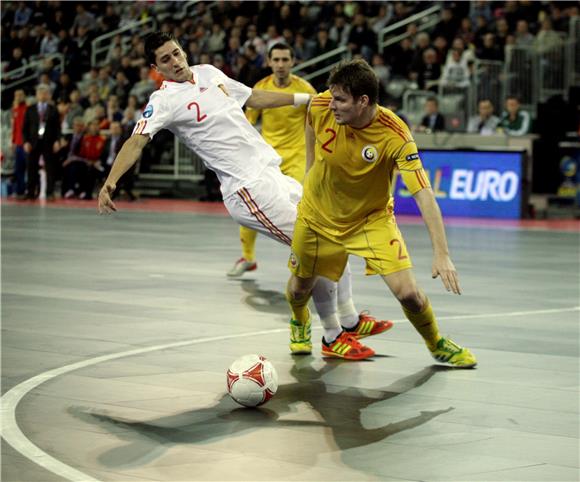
(353, 147)
(283, 129)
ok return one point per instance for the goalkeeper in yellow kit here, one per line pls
(353, 147)
(283, 129)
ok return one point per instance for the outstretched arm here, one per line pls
(265, 99)
(127, 157)
(442, 264)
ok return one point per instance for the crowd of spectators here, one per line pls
(235, 37)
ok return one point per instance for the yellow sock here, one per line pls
(299, 308)
(248, 239)
(425, 323)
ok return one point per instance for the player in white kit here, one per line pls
(203, 108)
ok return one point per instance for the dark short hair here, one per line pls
(280, 46)
(433, 99)
(155, 40)
(357, 78)
(513, 97)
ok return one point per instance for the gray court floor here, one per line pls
(117, 332)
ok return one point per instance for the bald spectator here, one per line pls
(485, 123)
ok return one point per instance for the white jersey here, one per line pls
(212, 124)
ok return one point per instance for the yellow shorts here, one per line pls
(378, 241)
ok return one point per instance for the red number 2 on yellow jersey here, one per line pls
(332, 137)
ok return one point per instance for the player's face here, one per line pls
(281, 62)
(171, 62)
(346, 109)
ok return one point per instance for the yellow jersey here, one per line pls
(283, 127)
(351, 176)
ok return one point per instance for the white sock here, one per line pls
(348, 314)
(346, 309)
(331, 327)
(324, 297)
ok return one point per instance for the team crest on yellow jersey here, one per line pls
(369, 153)
(293, 261)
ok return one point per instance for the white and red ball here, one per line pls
(252, 380)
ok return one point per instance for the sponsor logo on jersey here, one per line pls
(412, 157)
(148, 112)
(369, 153)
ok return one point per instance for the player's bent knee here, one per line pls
(298, 289)
(411, 299)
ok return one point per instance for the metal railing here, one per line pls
(36, 67)
(488, 83)
(429, 17)
(328, 61)
(574, 51)
(191, 8)
(101, 45)
(554, 69)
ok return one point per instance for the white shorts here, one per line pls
(267, 205)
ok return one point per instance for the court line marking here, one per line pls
(11, 433)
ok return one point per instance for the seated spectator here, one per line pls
(75, 109)
(523, 37)
(49, 43)
(22, 15)
(64, 87)
(362, 40)
(447, 26)
(105, 83)
(485, 123)
(303, 48)
(489, 49)
(91, 111)
(131, 114)
(114, 113)
(430, 70)
(83, 19)
(101, 117)
(144, 88)
(323, 45)
(401, 58)
(121, 87)
(72, 164)
(252, 38)
(466, 54)
(502, 30)
(455, 72)
(91, 149)
(15, 62)
(216, 42)
(382, 18)
(547, 38)
(514, 121)
(340, 30)
(433, 121)
(383, 73)
(218, 63)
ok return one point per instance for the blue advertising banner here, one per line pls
(470, 183)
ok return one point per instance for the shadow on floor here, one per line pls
(337, 412)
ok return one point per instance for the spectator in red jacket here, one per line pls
(18, 112)
(92, 145)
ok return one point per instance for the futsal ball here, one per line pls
(252, 380)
